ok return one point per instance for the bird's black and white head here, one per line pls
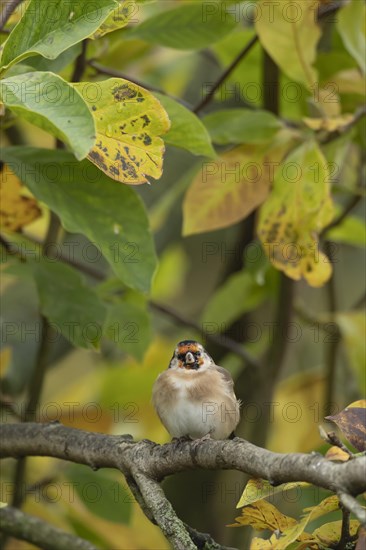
(191, 356)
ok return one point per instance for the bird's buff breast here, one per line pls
(195, 404)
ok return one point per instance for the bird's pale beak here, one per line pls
(190, 358)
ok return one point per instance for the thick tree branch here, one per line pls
(145, 463)
(158, 461)
(24, 527)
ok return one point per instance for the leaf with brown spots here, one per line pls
(117, 19)
(352, 422)
(292, 217)
(129, 121)
(17, 209)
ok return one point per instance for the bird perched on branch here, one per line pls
(194, 397)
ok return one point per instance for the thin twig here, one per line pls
(39, 532)
(208, 98)
(332, 347)
(7, 404)
(221, 340)
(9, 7)
(331, 136)
(339, 219)
(351, 504)
(37, 379)
(333, 439)
(80, 63)
(204, 540)
(109, 71)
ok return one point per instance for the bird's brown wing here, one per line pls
(226, 374)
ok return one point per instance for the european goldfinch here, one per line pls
(194, 397)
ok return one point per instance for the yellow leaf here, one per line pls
(298, 208)
(17, 209)
(305, 542)
(129, 121)
(117, 19)
(5, 360)
(329, 534)
(289, 32)
(257, 489)
(294, 532)
(337, 454)
(326, 101)
(329, 124)
(296, 410)
(361, 403)
(349, 81)
(263, 515)
(228, 189)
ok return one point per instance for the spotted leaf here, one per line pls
(292, 217)
(17, 208)
(129, 121)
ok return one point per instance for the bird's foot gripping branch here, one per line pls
(144, 464)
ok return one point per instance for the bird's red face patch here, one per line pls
(183, 349)
(193, 349)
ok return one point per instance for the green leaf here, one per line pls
(193, 26)
(49, 102)
(351, 27)
(112, 216)
(352, 231)
(239, 294)
(128, 326)
(299, 206)
(241, 126)
(49, 28)
(186, 131)
(101, 493)
(129, 120)
(39, 63)
(289, 32)
(73, 308)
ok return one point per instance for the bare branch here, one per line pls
(163, 512)
(24, 527)
(158, 461)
